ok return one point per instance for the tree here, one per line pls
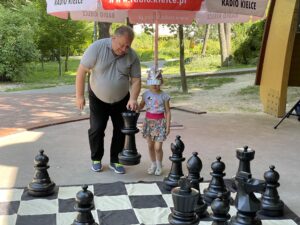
(57, 37)
(17, 41)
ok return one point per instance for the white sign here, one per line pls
(110, 16)
(243, 7)
(71, 5)
(213, 18)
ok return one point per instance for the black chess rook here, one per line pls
(217, 185)
(245, 155)
(84, 206)
(185, 200)
(129, 155)
(194, 166)
(271, 205)
(41, 185)
(176, 172)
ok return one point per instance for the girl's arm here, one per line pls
(141, 105)
(168, 116)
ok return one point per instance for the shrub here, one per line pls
(249, 50)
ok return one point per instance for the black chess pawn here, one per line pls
(246, 202)
(194, 166)
(84, 206)
(217, 184)
(41, 185)
(271, 205)
(176, 172)
(245, 155)
(185, 199)
(220, 208)
(129, 155)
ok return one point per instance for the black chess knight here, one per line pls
(246, 203)
(176, 172)
(41, 185)
(129, 155)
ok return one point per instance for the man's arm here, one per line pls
(134, 93)
(80, 85)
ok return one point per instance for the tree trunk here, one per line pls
(59, 62)
(67, 58)
(228, 37)
(182, 68)
(128, 23)
(223, 46)
(103, 30)
(203, 51)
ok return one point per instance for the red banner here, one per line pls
(191, 5)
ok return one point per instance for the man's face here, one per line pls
(121, 44)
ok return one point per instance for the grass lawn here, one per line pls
(47, 75)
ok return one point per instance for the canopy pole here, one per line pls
(156, 44)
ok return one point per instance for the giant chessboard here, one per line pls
(115, 204)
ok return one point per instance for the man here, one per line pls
(114, 65)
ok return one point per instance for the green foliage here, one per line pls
(248, 51)
(17, 41)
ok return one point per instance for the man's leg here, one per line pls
(118, 138)
(99, 114)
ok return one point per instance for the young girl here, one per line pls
(156, 125)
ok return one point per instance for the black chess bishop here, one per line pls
(194, 166)
(176, 172)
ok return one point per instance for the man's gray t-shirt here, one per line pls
(110, 77)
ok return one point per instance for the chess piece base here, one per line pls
(127, 158)
(180, 219)
(41, 190)
(244, 220)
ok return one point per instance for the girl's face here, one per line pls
(155, 88)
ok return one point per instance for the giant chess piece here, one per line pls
(271, 205)
(129, 155)
(84, 205)
(194, 166)
(220, 208)
(217, 184)
(185, 199)
(245, 156)
(41, 185)
(246, 203)
(176, 172)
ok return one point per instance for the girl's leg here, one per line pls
(151, 149)
(159, 157)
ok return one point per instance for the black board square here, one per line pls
(49, 219)
(147, 201)
(117, 217)
(110, 189)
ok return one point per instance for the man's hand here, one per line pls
(132, 105)
(80, 102)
